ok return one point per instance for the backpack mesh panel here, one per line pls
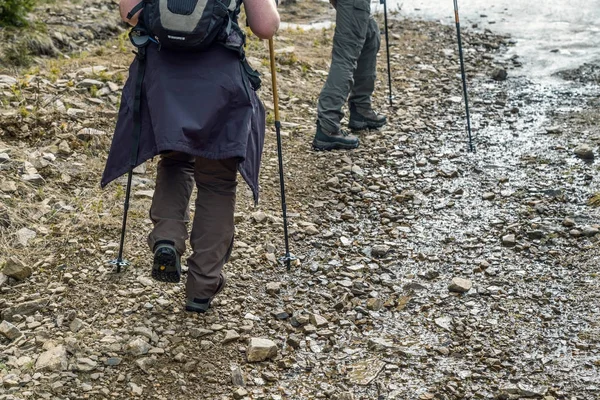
(182, 7)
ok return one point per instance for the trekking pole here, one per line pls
(287, 259)
(462, 71)
(387, 45)
(119, 262)
(140, 41)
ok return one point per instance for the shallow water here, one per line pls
(550, 35)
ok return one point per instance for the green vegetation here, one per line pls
(13, 12)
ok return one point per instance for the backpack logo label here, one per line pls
(176, 37)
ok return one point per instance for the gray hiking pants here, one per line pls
(213, 226)
(356, 42)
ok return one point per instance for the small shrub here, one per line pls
(13, 12)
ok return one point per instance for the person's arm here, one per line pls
(124, 7)
(262, 16)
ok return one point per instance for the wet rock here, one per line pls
(380, 250)
(499, 74)
(584, 152)
(588, 231)
(460, 285)
(379, 344)
(237, 376)
(364, 372)
(52, 360)
(444, 323)
(509, 240)
(9, 331)
(260, 350)
(16, 269)
(24, 235)
(489, 196)
(568, 222)
(554, 130)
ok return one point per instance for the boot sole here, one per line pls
(358, 126)
(165, 267)
(319, 145)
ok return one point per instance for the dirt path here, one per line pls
(373, 309)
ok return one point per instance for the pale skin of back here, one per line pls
(262, 16)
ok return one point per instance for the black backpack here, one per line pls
(188, 25)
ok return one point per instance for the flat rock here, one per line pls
(27, 308)
(273, 287)
(380, 250)
(34, 179)
(8, 186)
(584, 151)
(318, 320)
(16, 269)
(24, 235)
(260, 350)
(9, 331)
(444, 322)
(460, 285)
(364, 372)
(51, 360)
(230, 336)
(137, 347)
(509, 240)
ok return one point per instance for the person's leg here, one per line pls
(352, 21)
(212, 231)
(366, 69)
(170, 204)
(361, 111)
(170, 214)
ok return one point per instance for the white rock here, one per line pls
(261, 349)
(138, 347)
(24, 235)
(460, 285)
(54, 359)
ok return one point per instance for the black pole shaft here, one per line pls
(462, 71)
(283, 203)
(124, 226)
(287, 257)
(387, 45)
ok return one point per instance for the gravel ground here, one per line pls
(424, 271)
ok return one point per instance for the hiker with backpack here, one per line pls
(190, 98)
(351, 77)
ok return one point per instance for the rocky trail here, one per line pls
(424, 271)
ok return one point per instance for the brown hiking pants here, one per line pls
(213, 227)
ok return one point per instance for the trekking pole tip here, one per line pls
(119, 263)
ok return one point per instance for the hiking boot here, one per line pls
(365, 120)
(330, 141)
(167, 262)
(202, 305)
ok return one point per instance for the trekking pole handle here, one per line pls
(274, 80)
